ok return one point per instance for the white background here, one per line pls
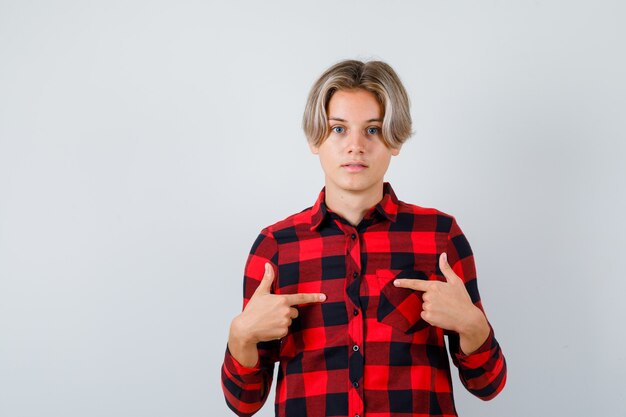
(144, 144)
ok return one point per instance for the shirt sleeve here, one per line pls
(483, 372)
(246, 389)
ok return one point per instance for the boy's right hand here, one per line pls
(266, 317)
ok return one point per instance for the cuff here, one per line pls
(235, 368)
(480, 356)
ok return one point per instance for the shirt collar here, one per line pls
(387, 206)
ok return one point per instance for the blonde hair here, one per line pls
(374, 76)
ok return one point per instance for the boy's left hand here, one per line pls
(448, 305)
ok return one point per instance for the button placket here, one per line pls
(355, 327)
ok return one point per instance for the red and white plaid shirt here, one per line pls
(365, 351)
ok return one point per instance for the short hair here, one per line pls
(376, 77)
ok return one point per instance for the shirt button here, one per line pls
(353, 236)
(355, 384)
(356, 312)
(354, 275)
(355, 348)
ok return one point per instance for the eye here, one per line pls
(338, 129)
(373, 130)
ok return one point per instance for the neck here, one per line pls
(352, 205)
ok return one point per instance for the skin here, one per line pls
(354, 159)
(266, 317)
(448, 305)
(354, 156)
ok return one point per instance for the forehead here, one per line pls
(354, 104)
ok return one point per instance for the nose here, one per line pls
(356, 142)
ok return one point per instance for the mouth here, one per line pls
(354, 166)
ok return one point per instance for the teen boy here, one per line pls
(353, 296)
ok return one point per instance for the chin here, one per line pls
(357, 186)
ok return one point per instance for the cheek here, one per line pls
(383, 161)
(326, 160)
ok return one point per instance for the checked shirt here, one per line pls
(365, 351)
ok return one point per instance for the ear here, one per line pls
(314, 149)
(396, 151)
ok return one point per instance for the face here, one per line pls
(353, 156)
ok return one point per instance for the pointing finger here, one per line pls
(266, 283)
(414, 284)
(304, 298)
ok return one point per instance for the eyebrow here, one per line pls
(343, 120)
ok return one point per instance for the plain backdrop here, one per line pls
(144, 144)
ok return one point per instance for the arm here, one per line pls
(246, 387)
(476, 353)
(253, 342)
(454, 305)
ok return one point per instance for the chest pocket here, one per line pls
(401, 307)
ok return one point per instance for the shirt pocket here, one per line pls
(401, 308)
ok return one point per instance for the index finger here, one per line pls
(414, 284)
(304, 298)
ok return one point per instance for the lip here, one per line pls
(354, 166)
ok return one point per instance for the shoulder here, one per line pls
(435, 222)
(290, 227)
(428, 217)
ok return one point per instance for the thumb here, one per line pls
(265, 286)
(446, 269)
